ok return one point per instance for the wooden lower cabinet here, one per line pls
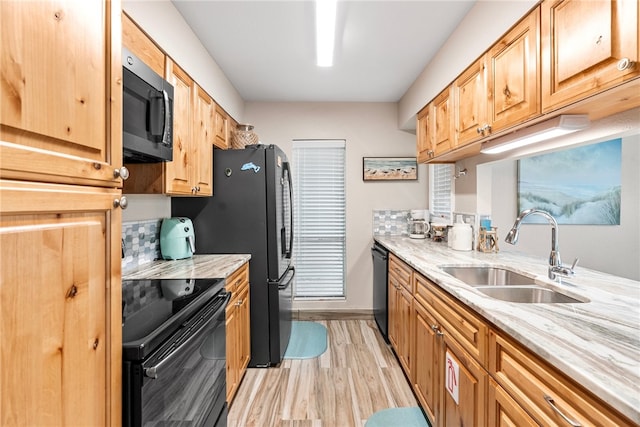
(499, 382)
(237, 329)
(467, 406)
(427, 349)
(550, 398)
(503, 411)
(60, 299)
(400, 311)
(450, 384)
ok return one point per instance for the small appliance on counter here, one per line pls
(177, 238)
(418, 225)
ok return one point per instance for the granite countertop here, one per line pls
(198, 267)
(595, 343)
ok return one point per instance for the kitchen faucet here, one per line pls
(556, 268)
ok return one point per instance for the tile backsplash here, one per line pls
(141, 242)
(390, 222)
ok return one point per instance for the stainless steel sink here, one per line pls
(526, 294)
(507, 285)
(488, 276)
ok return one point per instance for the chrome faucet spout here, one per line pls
(555, 263)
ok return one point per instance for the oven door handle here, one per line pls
(152, 371)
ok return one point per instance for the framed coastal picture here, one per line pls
(389, 169)
(576, 186)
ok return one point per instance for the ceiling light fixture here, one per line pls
(553, 128)
(325, 31)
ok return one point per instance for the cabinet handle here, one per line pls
(123, 173)
(625, 64)
(569, 421)
(437, 330)
(121, 203)
(239, 303)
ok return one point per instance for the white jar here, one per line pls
(461, 237)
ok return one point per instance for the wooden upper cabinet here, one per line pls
(61, 93)
(141, 45)
(443, 129)
(514, 75)
(424, 134)
(203, 138)
(221, 128)
(587, 46)
(470, 91)
(178, 173)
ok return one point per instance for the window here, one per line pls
(441, 191)
(319, 218)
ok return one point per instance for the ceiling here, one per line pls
(267, 48)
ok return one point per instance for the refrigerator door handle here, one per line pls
(282, 285)
(287, 169)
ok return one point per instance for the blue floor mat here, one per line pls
(397, 417)
(308, 340)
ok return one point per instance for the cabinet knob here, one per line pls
(121, 203)
(123, 173)
(625, 64)
(484, 129)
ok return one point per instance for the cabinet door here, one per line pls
(443, 129)
(61, 95)
(587, 46)
(221, 128)
(424, 134)
(203, 139)
(470, 91)
(514, 75)
(392, 309)
(244, 332)
(405, 322)
(471, 385)
(60, 283)
(503, 411)
(426, 365)
(137, 41)
(178, 172)
(232, 331)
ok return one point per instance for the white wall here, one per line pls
(162, 21)
(370, 129)
(485, 23)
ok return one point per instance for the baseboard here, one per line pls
(332, 315)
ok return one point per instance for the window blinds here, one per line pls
(319, 218)
(441, 200)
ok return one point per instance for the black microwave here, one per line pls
(147, 113)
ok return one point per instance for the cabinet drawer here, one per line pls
(236, 281)
(537, 387)
(401, 271)
(468, 329)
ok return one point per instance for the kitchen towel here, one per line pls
(405, 417)
(308, 340)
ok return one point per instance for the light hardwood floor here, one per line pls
(357, 376)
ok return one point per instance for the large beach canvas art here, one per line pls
(577, 186)
(389, 168)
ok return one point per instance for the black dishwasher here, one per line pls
(380, 256)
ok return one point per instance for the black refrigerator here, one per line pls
(251, 211)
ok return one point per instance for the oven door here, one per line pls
(184, 381)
